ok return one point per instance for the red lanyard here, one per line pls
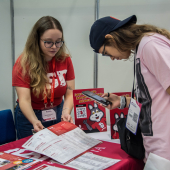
(52, 87)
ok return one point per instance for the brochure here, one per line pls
(90, 161)
(11, 162)
(116, 115)
(89, 116)
(87, 161)
(62, 142)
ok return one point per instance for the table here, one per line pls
(107, 149)
(104, 136)
(113, 150)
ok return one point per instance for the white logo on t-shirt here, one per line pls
(60, 76)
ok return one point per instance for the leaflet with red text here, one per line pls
(11, 162)
(62, 142)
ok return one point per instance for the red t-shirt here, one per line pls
(101, 126)
(64, 71)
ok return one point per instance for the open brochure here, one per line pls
(90, 161)
(87, 161)
(62, 142)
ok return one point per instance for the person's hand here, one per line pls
(38, 126)
(112, 98)
(66, 117)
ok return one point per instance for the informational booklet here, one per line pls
(87, 161)
(116, 115)
(10, 162)
(89, 116)
(90, 161)
(62, 142)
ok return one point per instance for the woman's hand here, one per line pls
(24, 95)
(68, 102)
(66, 117)
(112, 98)
(37, 125)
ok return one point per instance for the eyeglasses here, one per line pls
(49, 44)
(103, 53)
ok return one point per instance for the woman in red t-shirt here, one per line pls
(42, 75)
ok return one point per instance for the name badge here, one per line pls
(48, 115)
(133, 116)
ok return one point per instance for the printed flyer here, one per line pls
(116, 115)
(102, 156)
(89, 116)
(11, 162)
(62, 142)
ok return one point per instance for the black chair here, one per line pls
(7, 127)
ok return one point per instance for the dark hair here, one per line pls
(129, 36)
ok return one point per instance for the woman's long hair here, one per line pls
(128, 37)
(32, 60)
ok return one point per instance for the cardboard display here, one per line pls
(115, 116)
(89, 116)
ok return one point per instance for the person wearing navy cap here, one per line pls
(118, 39)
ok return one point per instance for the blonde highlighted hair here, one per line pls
(32, 61)
(129, 36)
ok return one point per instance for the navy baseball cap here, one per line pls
(104, 26)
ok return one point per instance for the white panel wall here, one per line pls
(76, 17)
(6, 97)
(117, 76)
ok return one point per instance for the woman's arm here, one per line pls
(115, 101)
(128, 101)
(68, 102)
(24, 96)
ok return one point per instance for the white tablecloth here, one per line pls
(105, 136)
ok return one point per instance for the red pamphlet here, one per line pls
(115, 116)
(10, 162)
(89, 116)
